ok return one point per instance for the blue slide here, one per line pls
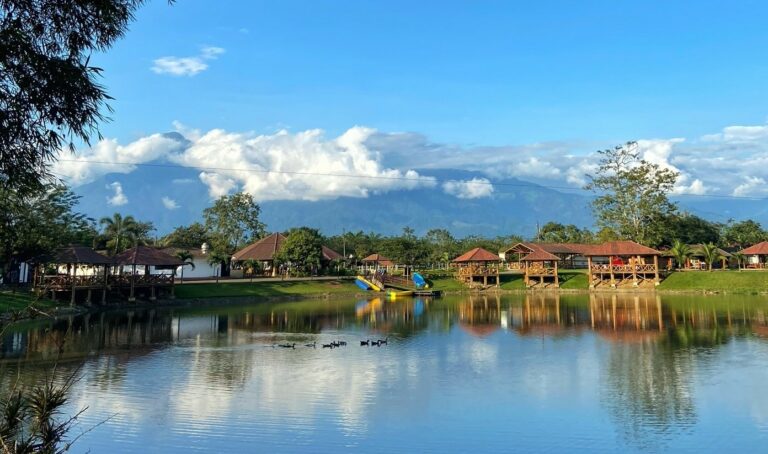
(418, 279)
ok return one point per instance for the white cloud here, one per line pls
(118, 198)
(469, 189)
(108, 156)
(751, 186)
(534, 167)
(169, 203)
(187, 66)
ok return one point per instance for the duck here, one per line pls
(342, 343)
(365, 342)
(327, 345)
(313, 345)
(384, 341)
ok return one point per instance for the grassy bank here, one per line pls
(265, 289)
(19, 300)
(717, 281)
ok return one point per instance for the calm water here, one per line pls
(520, 373)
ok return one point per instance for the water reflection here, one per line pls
(633, 364)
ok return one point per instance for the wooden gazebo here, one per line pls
(619, 263)
(757, 255)
(77, 268)
(541, 268)
(376, 262)
(149, 259)
(477, 266)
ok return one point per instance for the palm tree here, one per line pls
(680, 251)
(740, 258)
(185, 257)
(216, 258)
(711, 254)
(252, 266)
(120, 231)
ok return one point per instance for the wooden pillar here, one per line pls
(104, 286)
(527, 277)
(173, 288)
(132, 297)
(557, 277)
(633, 262)
(656, 268)
(152, 296)
(74, 288)
(610, 270)
(589, 271)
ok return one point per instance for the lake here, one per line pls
(524, 373)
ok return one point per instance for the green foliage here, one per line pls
(191, 236)
(632, 195)
(689, 229)
(185, 257)
(680, 252)
(48, 90)
(33, 224)
(743, 234)
(233, 221)
(302, 249)
(121, 233)
(711, 254)
(554, 232)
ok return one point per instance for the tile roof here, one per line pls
(74, 254)
(378, 258)
(330, 254)
(539, 255)
(145, 255)
(263, 250)
(620, 248)
(757, 249)
(477, 254)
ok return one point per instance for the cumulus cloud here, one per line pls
(469, 189)
(169, 203)
(117, 198)
(187, 66)
(108, 156)
(751, 186)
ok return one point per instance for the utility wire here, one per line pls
(376, 177)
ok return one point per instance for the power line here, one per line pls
(376, 177)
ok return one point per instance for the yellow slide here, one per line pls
(370, 284)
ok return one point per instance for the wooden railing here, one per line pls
(65, 282)
(624, 269)
(540, 271)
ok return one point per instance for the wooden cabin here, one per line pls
(623, 263)
(541, 269)
(143, 267)
(71, 270)
(757, 256)
(263, 251)
(477, 267)
(570, 255)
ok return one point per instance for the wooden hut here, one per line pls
(375, 262)
(477, 266)
(263, 251)
(757, 255)
(619, 263)
(540, 268)
(76, 268)
(570, 255)
(146, 268)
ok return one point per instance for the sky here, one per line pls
(372, 95)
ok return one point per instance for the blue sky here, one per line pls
(370, 93)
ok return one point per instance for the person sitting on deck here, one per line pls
(617, 261)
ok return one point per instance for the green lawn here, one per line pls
(16, 301)
(723, 281)
(272, 288)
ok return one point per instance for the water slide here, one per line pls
(365, 284)
(419, 281)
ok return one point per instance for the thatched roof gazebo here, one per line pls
(148, 258)
(72, 257)
(477, 264)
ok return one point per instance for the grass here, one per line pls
(717, 281)
(265, 289)
(19, 300)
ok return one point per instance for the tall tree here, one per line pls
(49, 94)
(122, 233)
(233, 220)
(689, 229)
(631, 194)
(554, 232)
(744, 233)
(191, 236)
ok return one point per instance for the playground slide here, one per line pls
(365, 284)
(419, 280)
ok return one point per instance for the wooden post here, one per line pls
(74, 290)
(656, 269)
(589, 271)
(104, 286)
(173, 288)
(557, 279)
(633, 261)
(610, 270)
(527, 277)
(132, 297)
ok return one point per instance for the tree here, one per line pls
(631, 194)
(690, 229)
(442, 246)
(31, 225)
(711, 254)
(302, 248)
(120, 232)
(191, 236)
(217, 259)
(554, 232)
(185, 257)
(740, 259)
(251, 267)
(681, 252)
(233, 220)
(743, 234)
(49, 95)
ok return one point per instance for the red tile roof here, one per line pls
(477, 254)
(329, 254)
(263, 250)
(539, 255)
(554, 248)
(145, 255)
(74, 254)
(757, 249)
(378, 258)
(620, 248)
